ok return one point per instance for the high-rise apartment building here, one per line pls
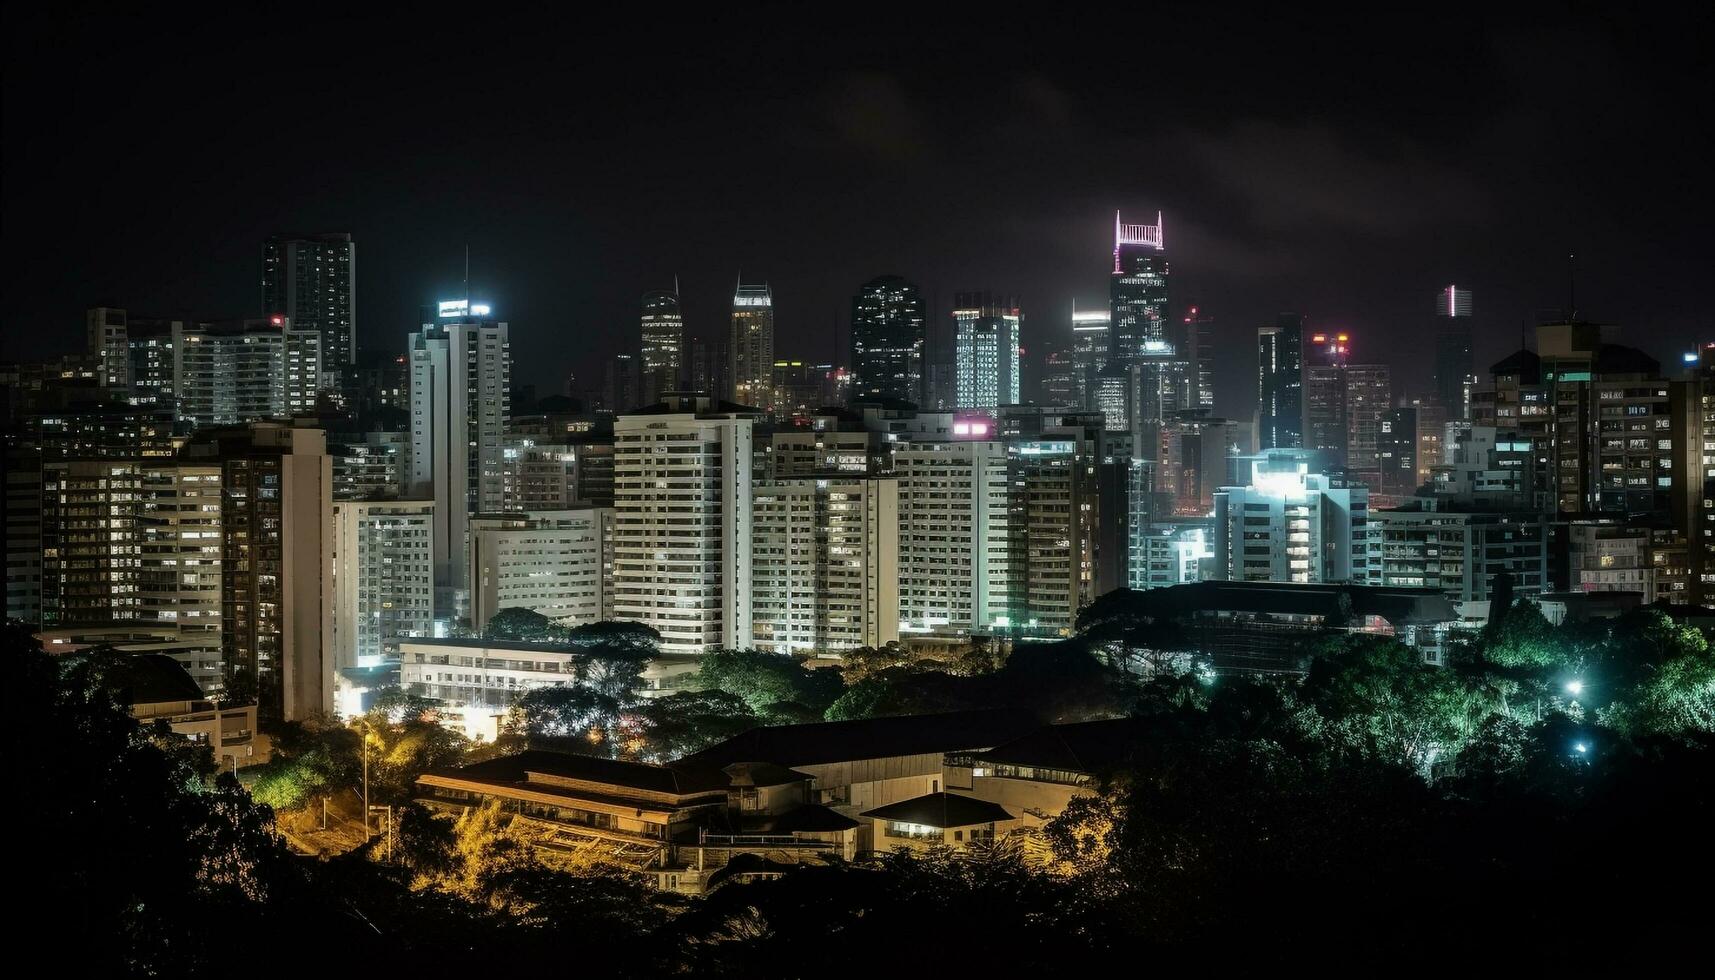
(1326, 427)
(1369, 396)
(750, 346)
(129, 543)
(682, 524)
(825, 564)
(888, 337)
(277, 558)
(383, 577)
(461, 382)
(556, 562)
(109, 345)
(1462, 552)
(955, 538)
(663, 354)
(311, 280)
(986, 348)
(235, 372)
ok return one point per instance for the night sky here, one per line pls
(1341, 169)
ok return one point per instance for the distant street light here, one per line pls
(1574, 688)
(1581, 748)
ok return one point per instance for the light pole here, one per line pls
(366, 779)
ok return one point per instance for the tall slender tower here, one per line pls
(1453, 359)
(663, 358)
(752, 345)
(461, 383)
(1280, 383)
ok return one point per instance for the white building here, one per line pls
(477, 680)
(383, 576)
(1292, 525)
(461, 380)
(825, 572)
(558, 563)
(1166, 553)
(955, 548)
(682, 528)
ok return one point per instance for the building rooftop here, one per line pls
(515, 770)
(943, 810)
(1086, 747)
(870, 738)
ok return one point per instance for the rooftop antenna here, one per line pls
(1571, 287)
(467, 276)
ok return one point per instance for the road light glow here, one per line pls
(1575, 687)
(1582, 748)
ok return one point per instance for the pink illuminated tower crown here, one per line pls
(1149, 235)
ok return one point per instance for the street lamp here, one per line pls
(1574, 687)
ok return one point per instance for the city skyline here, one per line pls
(1256, 227)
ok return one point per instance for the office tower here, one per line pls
(1369, 395)
(1280, 383)
(662, 360)
(682, 524)
(955, 538)
(1061, 385)
(311, 280)
(1453, 359)
(383, 577)
(1397, 468)
(889, 333)
(1090, 349)
(825, 564)
(751, 346)
(138, 544)
(1138, 293)
(461, 382)
(109, 346)
(277, 548)
(1462, 551)
(1198, 454)
(1196, 345)
(711, 368)
(1289, 524)
(555, 562)
(240, 371)
(986, 336)
(1326, 428)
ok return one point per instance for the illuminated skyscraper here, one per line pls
(888, 336)
(1325, 423)
(1453, 359)
(663, 344)
(312, 281)
(986, 349)
(1196, 343)
(461, 383)
(752, 346)
(1280, 383)
(1138, 291)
